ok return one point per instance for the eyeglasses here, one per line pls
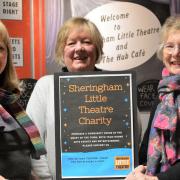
(171, 48)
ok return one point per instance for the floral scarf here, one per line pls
(164, 140)
(17, 117)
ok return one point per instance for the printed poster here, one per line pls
(95, 135)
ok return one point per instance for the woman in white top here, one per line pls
(79, 46)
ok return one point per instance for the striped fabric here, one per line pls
(8, 101)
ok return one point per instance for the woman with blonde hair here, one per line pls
(19, 137)
(78, 47)
(163, 134)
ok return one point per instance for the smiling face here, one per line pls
(79, 51)
(3, 55)
(171, 52)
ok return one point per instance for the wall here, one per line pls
(25, 22)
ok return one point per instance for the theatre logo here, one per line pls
(122, 162)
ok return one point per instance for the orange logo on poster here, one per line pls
(122, 162)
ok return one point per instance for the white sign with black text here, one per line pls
(11, 9)
(17, 51)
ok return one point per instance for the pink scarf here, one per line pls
(164, 140)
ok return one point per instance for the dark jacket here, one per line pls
(15, 149)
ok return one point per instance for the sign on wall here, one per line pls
(95, 116)
(130, 34)
(24, 20)
(11, 9)
(147, 94)
(17, 51)
(28, 86)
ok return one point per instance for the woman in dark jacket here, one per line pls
(19, 137)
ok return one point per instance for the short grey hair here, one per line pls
(172, 23)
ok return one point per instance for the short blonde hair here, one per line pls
(65, 30)
(8, 78)
(172, 23)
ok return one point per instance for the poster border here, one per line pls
(57, 117)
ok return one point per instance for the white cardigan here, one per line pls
(41, 109)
